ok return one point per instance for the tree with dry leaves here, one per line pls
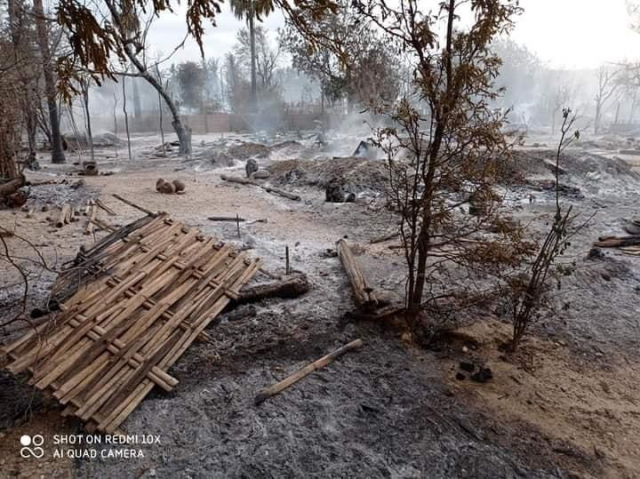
(446, 150)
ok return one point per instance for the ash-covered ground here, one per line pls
(566, 405)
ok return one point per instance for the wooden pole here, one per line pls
(90, 225)
(226, 218)
(304, 372)
(64, 211)
(242, 181)
(238, 224)
(286, 252)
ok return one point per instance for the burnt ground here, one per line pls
(565, 406)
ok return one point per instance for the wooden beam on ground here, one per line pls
(363, 294)
(304, 372)
(617, 241)
(268, 189)
(291, 287)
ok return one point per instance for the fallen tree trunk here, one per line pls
(304, 372)
(363, 294)
(11, 186)
(617, 241)
(268, 189)
(291, 287)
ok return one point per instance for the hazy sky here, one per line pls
(564, 33)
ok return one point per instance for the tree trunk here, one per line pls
(137, 109)
(254, 78)
(85, 98)
(17, 28)
(57, 153)
(126, 115)
(596, 122)
(184, 133)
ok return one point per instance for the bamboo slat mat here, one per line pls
(131, 306)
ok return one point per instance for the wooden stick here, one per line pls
(105, 207)
(362, 292)
(235, 219)
(268, 189)
(225, 218)
(130, 203)
(238, 224)
(286, 252)
(304, 372)
(64, 211)
(103, 225)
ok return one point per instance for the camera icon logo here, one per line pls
(36, 441)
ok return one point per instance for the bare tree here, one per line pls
(126, 35)
(529, 290)
(85, 85)
(265, 57)
(607, 87)
(562, 95)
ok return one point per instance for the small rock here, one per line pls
(460, 377)
(595, 253)
(465, 349)
(482, 376)
(467, 366)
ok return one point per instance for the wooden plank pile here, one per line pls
(129, 308)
